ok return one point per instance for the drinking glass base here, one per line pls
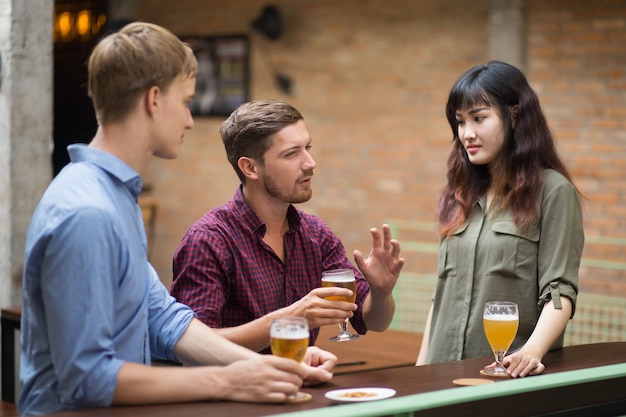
(299, 397)
(344, 337)
(494, 373)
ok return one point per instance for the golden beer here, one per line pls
(289, 337)
(343, 278)
(289, 348)
(500, 330)
(340, 281)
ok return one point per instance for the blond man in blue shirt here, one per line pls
(94, 311)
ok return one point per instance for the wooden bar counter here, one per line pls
(585, 380)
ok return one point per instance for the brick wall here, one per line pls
(577, 63)
(371, 79)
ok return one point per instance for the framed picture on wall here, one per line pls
(223, 73)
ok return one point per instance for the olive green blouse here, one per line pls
(490, 259)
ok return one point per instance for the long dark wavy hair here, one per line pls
(516, 173)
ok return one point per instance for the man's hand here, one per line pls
(267, 378)
(382, 267)
(319, 366)
(321, 312)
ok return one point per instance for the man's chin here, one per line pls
(302, 198)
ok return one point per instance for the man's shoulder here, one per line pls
(220, 220)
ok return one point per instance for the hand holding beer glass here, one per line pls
(289, 338)
(343, 278)
(500, 321)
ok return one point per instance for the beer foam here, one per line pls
(343, 277)
(290, 334)
(500, 317)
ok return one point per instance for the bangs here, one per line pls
(466, 94)
(467, 97)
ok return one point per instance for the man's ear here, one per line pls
(151, 99)
(514, 110)
(249, 167)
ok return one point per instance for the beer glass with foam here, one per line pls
(343, 278)
(500, 321)
(289, 338)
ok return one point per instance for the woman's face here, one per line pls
(480, 130)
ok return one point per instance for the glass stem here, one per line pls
(499, 359)
(343, 326)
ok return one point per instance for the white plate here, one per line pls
(360, 394)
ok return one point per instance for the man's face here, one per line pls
(174, 117)
(288, 166)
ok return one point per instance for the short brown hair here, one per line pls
(125, 64)
(247, 130)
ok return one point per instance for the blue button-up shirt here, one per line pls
(91, 300)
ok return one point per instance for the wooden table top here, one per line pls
(410, 380)
(371, 351)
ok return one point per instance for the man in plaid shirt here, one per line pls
(257, 257)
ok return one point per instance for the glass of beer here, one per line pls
(343, 278)
(500, 321)
(289, 338)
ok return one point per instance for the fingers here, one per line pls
(377, 240)
(359, 259)
(332, 293)
(519, 365)
(325, 306)
(317, 375)
(387, 237)
(265, 379)
(319, 365)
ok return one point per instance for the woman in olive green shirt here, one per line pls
(510, 222)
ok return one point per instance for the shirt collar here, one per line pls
(253, 221)
(80, 152)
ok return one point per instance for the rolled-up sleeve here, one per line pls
(167, 319)
(561, 244)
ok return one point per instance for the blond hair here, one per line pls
(125, 64)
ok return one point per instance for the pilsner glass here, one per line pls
(343, 278)
(289, 338)
(500, 321)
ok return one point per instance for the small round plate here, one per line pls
(360, 394)
(471, 381)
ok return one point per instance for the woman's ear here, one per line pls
(514, 115)
(248, 167)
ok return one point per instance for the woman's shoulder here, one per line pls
(557, 186)
(553, 178)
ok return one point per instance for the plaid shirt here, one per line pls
(226, 273)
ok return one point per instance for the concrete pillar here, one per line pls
(25, 129)
(507, 30)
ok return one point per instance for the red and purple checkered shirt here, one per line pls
(226, 273)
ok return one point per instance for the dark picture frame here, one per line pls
(223, 81)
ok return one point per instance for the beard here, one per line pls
(298, 194)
